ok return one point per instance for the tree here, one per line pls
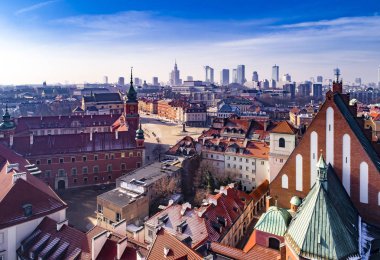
(157, 150)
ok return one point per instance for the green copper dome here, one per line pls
(7, 123)
(140, 133)
(295, 201)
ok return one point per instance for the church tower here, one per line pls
(131, 107)
(7, 125)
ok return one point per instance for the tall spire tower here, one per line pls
(131, 107)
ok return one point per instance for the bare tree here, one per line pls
(166, 186)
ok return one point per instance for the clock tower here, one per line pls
(131, 107)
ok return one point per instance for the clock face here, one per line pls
(132, 108)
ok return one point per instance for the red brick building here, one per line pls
(339, 135)
(80, 150)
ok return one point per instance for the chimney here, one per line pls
(116, 134)
(268, 202)
(11, 140)
(31, 139)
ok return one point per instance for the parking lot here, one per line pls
(82, 205)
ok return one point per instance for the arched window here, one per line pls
(281, 142)
(274, 243)
(284, 181)
(364, 182)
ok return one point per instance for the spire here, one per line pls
(337, 74)
(140, 133)
(132, 94)
(322, 169)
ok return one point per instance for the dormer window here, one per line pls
(27, 210)
(281, 142)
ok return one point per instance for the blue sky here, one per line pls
(77, 40)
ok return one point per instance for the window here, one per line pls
(38, 162)
(150, 233)
(47, 174)
(228, 165)
(246, 176)
(96, 178)
(284, 181)
(118, 217)
(61, 173)
(246, 168)
(109, 168)
(49, 161)
(281, 142)
(100, 208)
(246, 160)
(240, 159)
(72, 159)
(85, 180)
(109, 177)
(106, 156)
(130, 154)
(138, 165)
(85, 170)
(123, 166)
(240, 167)
(262, 162)
(61, 160)
(75, 180)
(274, 243)
(122, 155)
(1, 239)
(84, 158)
(138, 154)
(112, 156)
(281, 160)
(95, 157)
(234, 158)
(74, 171)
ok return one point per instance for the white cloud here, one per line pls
(35, 7)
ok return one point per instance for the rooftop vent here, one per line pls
(163, 219)
(27, 210)
(166, 251)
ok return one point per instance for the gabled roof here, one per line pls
(27, 190)
(357, 130)
(284, 128)
(166, 246)
(255, 252)
(326, 224)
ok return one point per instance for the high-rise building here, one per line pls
(319, 79)
(174, 76)
(155, 81)
(378, 77)
(120, 81)
(291, 88)
(240, 74)
(189, 78)
(276, 73)
(255, 76)
(317, 91)
(209, 74)
(304, 89)
(234, 75)
(265, 84)
(105, 80)
(286, 78)
(225, 77)
(358, 81)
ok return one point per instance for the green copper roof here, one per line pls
(140, 133)
(295, 201)
(274, 221)
(7, 123)
(326, 224)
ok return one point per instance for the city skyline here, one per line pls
(75, 41)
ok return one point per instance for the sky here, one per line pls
(76, 41)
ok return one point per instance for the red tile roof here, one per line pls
(256, 252)
(284, 128)
(260, 191)
(175, 249)
(28, 190)
(75, 238)
(27, 124)
(186, 143)
(79, 143)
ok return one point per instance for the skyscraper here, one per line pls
(241, 74)
(378, 77)
(255, 76)
(189, 78)
(319, 79)
(225, 77)
(234, 76)
(105, 80)
(358, 81)
(121, 82)
(155, 81)
(174, 76)
(286, 77)
(209, 74)
(276, 73)
(317, 91)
